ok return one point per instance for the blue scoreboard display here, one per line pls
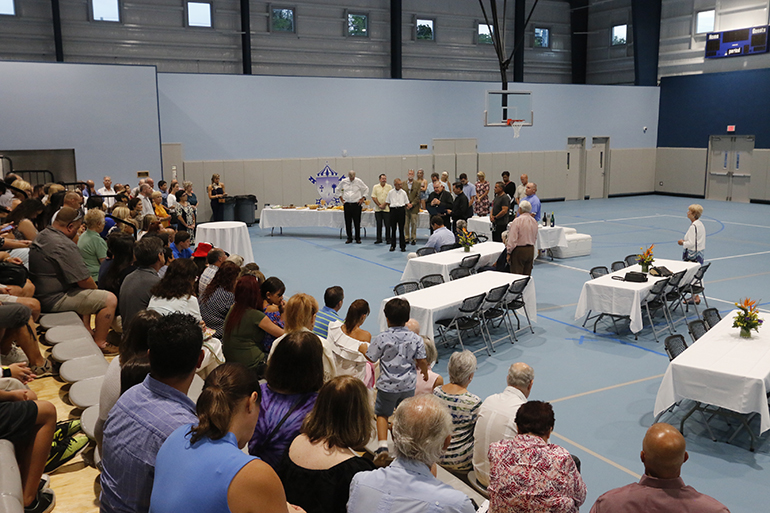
(731, 43)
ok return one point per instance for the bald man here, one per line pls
(660, 489)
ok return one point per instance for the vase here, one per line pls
(645, 267)
(467, 249)
(745, 333)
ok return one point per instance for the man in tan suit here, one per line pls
(412, 188)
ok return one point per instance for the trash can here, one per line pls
(228, 209)
(245, 208)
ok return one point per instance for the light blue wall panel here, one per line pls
(257, 117)
(108, 114)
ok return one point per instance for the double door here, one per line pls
(729, 167)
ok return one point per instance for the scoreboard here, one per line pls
(731, 43)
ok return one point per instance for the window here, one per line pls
(282, 19)
(704, 22)
(485, 33)
(7, 8)
(424, 29)
(542, 37)
(358, 25)
(198, 14)
(105, 10)
(619, 35)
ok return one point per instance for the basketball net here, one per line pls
(516, 124)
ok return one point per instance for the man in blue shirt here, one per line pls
(422, 429)
(147, 413)
(441, 235)
(531, 196)
(181, 245)
(469, 189)
(333, 298)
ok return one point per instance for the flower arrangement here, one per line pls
(748, 317)
(466, 239)
(645, 258)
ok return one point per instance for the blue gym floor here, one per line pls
(602, 385)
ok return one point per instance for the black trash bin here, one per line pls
(228, 208)
(245, 208)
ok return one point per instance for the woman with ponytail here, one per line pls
(201, 468)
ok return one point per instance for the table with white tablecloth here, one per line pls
(231, 236)
(443, 301)
(722, 369)
(623, 298)
(326, 218)
(443, 262)
(547, 236)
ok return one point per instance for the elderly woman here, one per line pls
(321, 461)
(694, 242)
(92, 247)
(481, 205)
(349, 343)
(465, 411)
(191, 197)
(294, 376)
(529, 474)
(160, 211)
(422, 427)
(218, 477)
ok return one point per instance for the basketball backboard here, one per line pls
(500, 106)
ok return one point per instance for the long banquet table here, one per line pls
(722, 369)
(327, 218)
(547, 237)
(444, 300)
(623, 298)
(443, 262)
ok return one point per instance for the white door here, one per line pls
(598, 177)
(455, 156)
(729, 167)
(575, 186)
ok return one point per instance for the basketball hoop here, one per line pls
(516, 124)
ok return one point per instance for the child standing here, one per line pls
(400, 353)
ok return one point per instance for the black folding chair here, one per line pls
(425, 251)
(470, 262)
(459, 272)
(675, 345)
(711, 317)
(494, 307)
(674, 294)
(695, 288)
(447, 247)
(656, 300)
(481, 238)
(697, 329)
(617, 266)
(468, 318)
(431, 280)
(596, 272)
(407, 286)
(516, 302)
(631, 260)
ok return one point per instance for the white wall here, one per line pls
(108, 114)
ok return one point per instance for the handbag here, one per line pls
(661, 271)
(13, 274)
(632, 276)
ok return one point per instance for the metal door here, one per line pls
(598, 172)
(729, 167)
(576, 169)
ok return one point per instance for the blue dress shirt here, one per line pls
(405, 486)
(535, 201)
(440, 237)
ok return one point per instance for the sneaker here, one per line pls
(64, 451)
(65, 429)
(44, 370)
(15, 355)
(45, 483)
(44, 502)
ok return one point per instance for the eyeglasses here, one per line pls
(80, 214)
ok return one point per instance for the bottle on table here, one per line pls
(552, 220)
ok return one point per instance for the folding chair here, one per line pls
(470, 262)
(656, 300)
(516, 302)
(468, 318)
(596, 272)
(695, 288)
(431, 280)
(459, 272)
(447, 247)
(617, 266)
(674, 294)
(631, 260)
(425, 251)
(675, 345)
(711, 317)
(697, 329)
(407, 286)
(494, 307)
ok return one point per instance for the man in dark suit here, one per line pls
(412, 188)
(460, 207)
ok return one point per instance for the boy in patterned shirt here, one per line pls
(400, 352)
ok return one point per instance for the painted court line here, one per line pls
(566, 266)
(613, 220)
(744, 224)
(739, 256)
(738, 277)
(611, 387)
(597, 455)
(346, 254)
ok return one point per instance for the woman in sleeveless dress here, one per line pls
(216, 191)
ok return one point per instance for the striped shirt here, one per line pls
(465, 410)
(322, 320)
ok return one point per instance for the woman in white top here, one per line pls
(694, 242)
(349, 343)
(175, 292)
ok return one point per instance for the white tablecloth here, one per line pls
(605, 295)
(722, 369)
(289, 217)
(231, 236)
(442, 263)
(547, 237)
(444, 301)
